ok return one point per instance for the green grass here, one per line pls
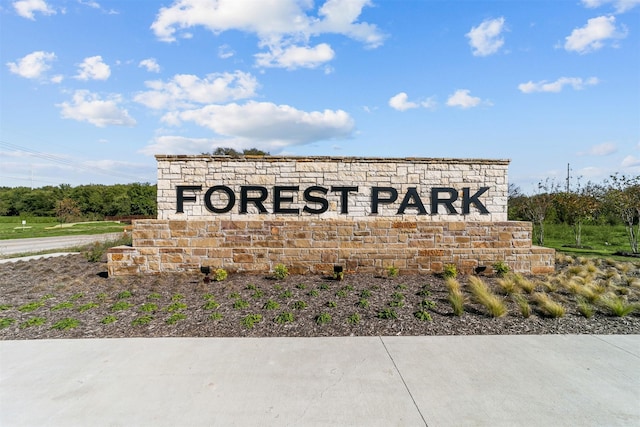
(5, 322)
(66, 323)
(11, 227)
(600, 241)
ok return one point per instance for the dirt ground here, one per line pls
(69, 297)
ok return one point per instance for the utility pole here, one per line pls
(568, 176)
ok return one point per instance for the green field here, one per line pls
(12, 227)
(597, 240)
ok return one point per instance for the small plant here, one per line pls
(364, 303)
(483, 295)
(456, 297)
(174, 318)
(154, 295)
(314, 293)
(324, 286)
(332, 304)
(426, 304)
(108, 320)
(323, 318)
(251, 287)
(523, 305)
(271, 305)
(31, 306)
(450, 271)
(120, 305)
(124, 295)
(215, 316)
(63, 306)
(76, 297)
(397, 300)
(299, 305)
(402, 287)
(250, 320)
(392, 271)
(66, 323)
(338, 275)
(423, 315)
(500, 268)
(280, 271)
(548, 306)
(240, 304)
(88, 306)
(208, 297)
(286, 294)
(34, 321)
(5, 322)
(220, 275)
(259, 293)
(526, 285)
(4, 307)
(354, 319)
(286, 317)
(507, 285)
(148, 307)
(366, 293)
(176, 306)
(177, 297)
(341, 293)
(142, 320)
(617, 305)
(210, 305)
(585, 308)
(101, 296)
(234, 295)
(387, 313)
(95, 253)
(301, 286)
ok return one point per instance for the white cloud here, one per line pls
(461, 98)
(169, 144)
(93, 68)
(400, 102)
(33, 65)
(292, 57)
(544, 86)
(592, 36)
(150, 64)
(267, 125)
(485, 39)
(283, 27)
(630, 161)
(225, 51)
(603, 149)
(621, 6)
(183, 90)
(88, 107)
(26, 8)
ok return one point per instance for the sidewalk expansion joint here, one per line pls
(403, 381)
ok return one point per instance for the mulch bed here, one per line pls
(183, 305)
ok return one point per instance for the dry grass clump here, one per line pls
(548, 306)
(508, 285)
(585, 308)
(494, 304)
(523, 305)
(456, 297)
(523, 283)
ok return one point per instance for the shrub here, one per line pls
(285, 317)
(392, 271)
(280, 271)
(354, 319)
(240, 304)
(585, 308)
(500, 268)
(220, 274)
(299, 305)
(271, 305)
(422, 315)
(617, 306)
(250, 320)
(450, 271)
(323, 318)
(387, 313)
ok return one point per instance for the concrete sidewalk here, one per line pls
(363, 381)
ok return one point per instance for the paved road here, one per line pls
(37, 244)
(526, 380)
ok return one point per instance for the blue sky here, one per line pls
(91, 90)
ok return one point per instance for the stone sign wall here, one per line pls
(364, 214)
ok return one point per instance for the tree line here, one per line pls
(613, 202)
(91, 202)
